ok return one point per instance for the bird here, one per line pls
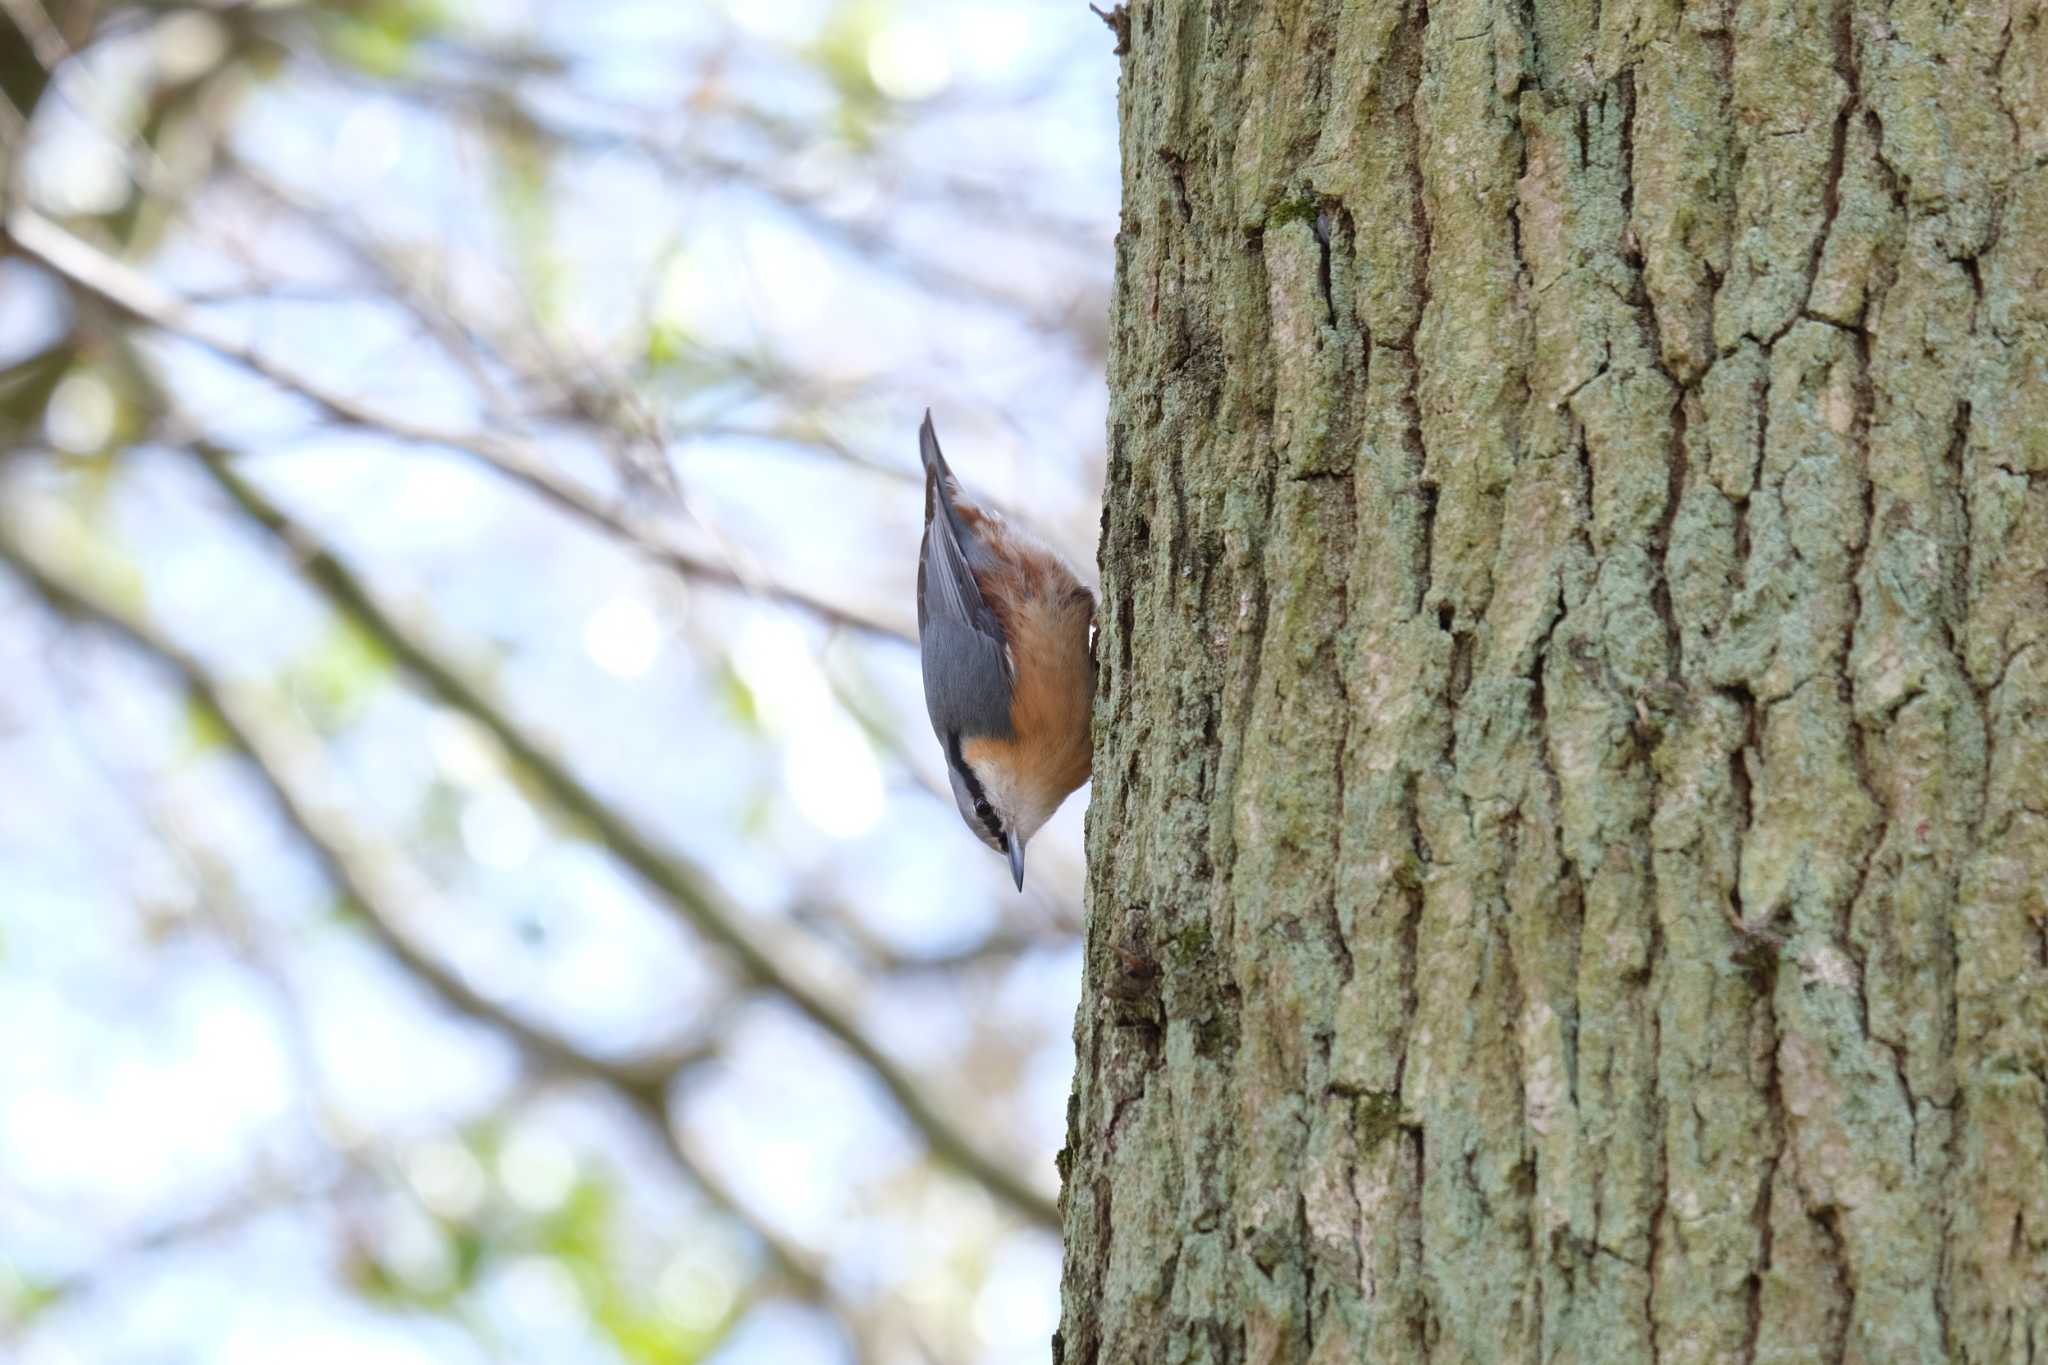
(1005, 629)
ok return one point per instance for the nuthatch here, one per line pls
(1008, 673)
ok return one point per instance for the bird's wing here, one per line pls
(966, 659)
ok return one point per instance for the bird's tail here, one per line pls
(928, 447)
(939, 484)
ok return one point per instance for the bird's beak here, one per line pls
(1016, 857)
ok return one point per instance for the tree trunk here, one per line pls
(1570, 819)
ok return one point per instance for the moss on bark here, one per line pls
(1569, 852)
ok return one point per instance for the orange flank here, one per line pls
(1045, 614)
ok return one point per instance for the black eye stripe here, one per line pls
(983, 811)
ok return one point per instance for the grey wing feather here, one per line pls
(966, 681)
(966, 662)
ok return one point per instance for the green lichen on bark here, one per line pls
(1571, 797)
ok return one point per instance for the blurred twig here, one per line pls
(378, 881)
(490, 103)
(553, 385)
(53, 48)
(683, 886)
(135, 295)
(999, 946)
(208, 1224)
(374, 879)
(49, 45)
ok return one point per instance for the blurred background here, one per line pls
(476, 881)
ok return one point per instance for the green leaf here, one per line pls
(665, 345)
(202, 728)
(25, 387)
(99, 566)
(737, 696)
(523, 181)
(380, 36)
(334, 681)
(582, 1234)
(841, 49)
(26, 1298)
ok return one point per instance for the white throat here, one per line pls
(1020, 814)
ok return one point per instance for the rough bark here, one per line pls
(1570, 820)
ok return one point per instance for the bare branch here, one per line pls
(378, 880)
(685, 887)
(494, 106)
(207, 1225)
(135, 295)
(48, 45)
(580, 400)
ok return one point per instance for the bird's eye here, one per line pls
(986, 814)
